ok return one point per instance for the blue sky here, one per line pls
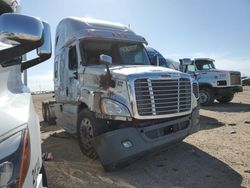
(176, 28)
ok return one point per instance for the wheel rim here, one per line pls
(203, 98)
(86, 133)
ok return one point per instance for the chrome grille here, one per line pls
(161, 97)
(235, 78)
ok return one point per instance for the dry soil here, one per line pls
(217, 156)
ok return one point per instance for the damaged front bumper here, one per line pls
(119, 147)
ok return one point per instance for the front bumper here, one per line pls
(237, 89)
(225, 90)
(111, 151)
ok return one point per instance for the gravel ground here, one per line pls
(217, 156)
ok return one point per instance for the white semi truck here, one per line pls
(20, 144)
(108, 93)
(213, 83)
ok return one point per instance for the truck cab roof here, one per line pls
(81, 28)
(203, 59)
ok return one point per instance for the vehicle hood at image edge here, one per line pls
(14, 111)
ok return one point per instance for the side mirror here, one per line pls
(155, 60)
(105, 59)
(185, 61)
(43, 52)
(19, 34)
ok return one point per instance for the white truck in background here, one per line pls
(20, 144)
(108, 93)
(213, 83)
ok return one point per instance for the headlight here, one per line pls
(14, 159)
(111, 107)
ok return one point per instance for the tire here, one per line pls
(50, 119)
(44, 176)
(110, 168)
(206, 97)
(47, 117)
(226, 99)
(88, 127)
(44, 111)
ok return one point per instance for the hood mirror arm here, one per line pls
(106, 79)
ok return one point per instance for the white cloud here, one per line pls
(41, 82)
(222, 61)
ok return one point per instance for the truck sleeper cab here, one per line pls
(108, 93)
(214, 83)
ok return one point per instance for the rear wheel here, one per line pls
(226, 98)
(89, 127)
(44, 111)
(47, 116)
(206, 96)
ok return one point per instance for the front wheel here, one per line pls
(206, 97)
(89, 127)
(226, 99)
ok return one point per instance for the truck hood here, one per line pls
(14, 111)
(217, 70)
(137, 69)
(125, 71)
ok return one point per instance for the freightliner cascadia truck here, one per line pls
(108, 93)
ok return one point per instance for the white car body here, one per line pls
(20, 142)
(17, 112)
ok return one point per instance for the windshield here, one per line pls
(122, 53)
(204, 64)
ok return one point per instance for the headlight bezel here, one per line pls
(19, 158)
(107, 103)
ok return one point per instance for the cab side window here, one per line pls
(73, 62)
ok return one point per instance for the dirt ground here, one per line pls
(217, 156)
